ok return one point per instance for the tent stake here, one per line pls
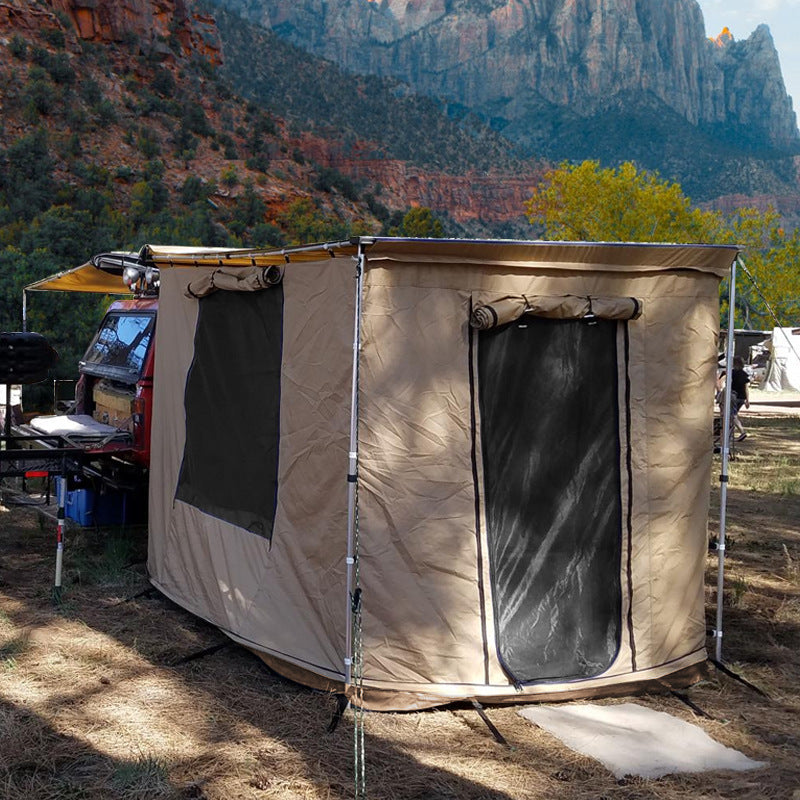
(499, 738)
(723, 478)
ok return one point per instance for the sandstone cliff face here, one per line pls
(510, 58)
(152, 22)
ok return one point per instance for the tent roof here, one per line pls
(614, 256)
(102, 274)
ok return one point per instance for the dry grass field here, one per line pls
(96, 702)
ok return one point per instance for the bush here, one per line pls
(194, 120)
(90, 91)
(60, 69)
(229, 176)
(259, 163)
(147, 142)
(123, 173)
(105, 112)
(328, 179)
(41, 98)
(229, 147)
(193, 190)
(163, 83)
(18, 47)
(54, 37)
(266, 234)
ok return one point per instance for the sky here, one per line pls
(744, 16)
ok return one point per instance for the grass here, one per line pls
(144, 777)
(11, 649)
(93, 705)
(104, 558)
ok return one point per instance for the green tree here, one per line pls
(769, 281)
(584, 202)
(26, 182)
(420, 223)
(305, 223)
(588, 203)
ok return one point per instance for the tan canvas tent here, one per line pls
(440, 470)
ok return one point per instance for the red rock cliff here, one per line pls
(153, 22)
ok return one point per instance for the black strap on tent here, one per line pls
(731, 674)
(686, 701)
(209, 651)
(148, 592)
(341, 706)
(498, 737)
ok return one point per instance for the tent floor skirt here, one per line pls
(658, 680)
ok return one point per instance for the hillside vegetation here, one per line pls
(113, 147)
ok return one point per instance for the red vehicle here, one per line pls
(109, 422)
(116, 385)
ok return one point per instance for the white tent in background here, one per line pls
(783, 372)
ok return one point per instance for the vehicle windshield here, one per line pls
(119, 348)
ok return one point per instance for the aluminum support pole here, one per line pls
(723, 478)
(352, 471)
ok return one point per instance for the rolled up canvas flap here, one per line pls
(235, 279)
(507, 309)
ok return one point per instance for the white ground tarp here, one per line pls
(783, 372)
(630, 739)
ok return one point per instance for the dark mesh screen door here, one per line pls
(232, 401)
(550, 439)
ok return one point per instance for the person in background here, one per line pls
(740, 382)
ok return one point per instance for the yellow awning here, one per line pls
(86, 278)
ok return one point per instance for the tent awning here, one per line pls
(101, 275)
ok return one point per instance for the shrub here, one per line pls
(193, 118)
(18, 47)
(259, 163)
(105, 112)
(163, 83)
(54, 37)
(60, 69)
(41, 97)
(90, 91)
(193, 190)
(229, 146)
(229, 176)
(148, 144)
(123, 173)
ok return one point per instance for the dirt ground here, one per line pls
(97, 701)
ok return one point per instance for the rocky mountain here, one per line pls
(175, 90)
(512, 59)
(574, 79)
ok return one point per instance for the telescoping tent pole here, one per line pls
(723, 478)
(352, 472)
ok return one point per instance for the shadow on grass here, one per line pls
(37, 761)
(232, 728)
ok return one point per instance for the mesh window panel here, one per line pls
(232, 402)
(550, 439)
